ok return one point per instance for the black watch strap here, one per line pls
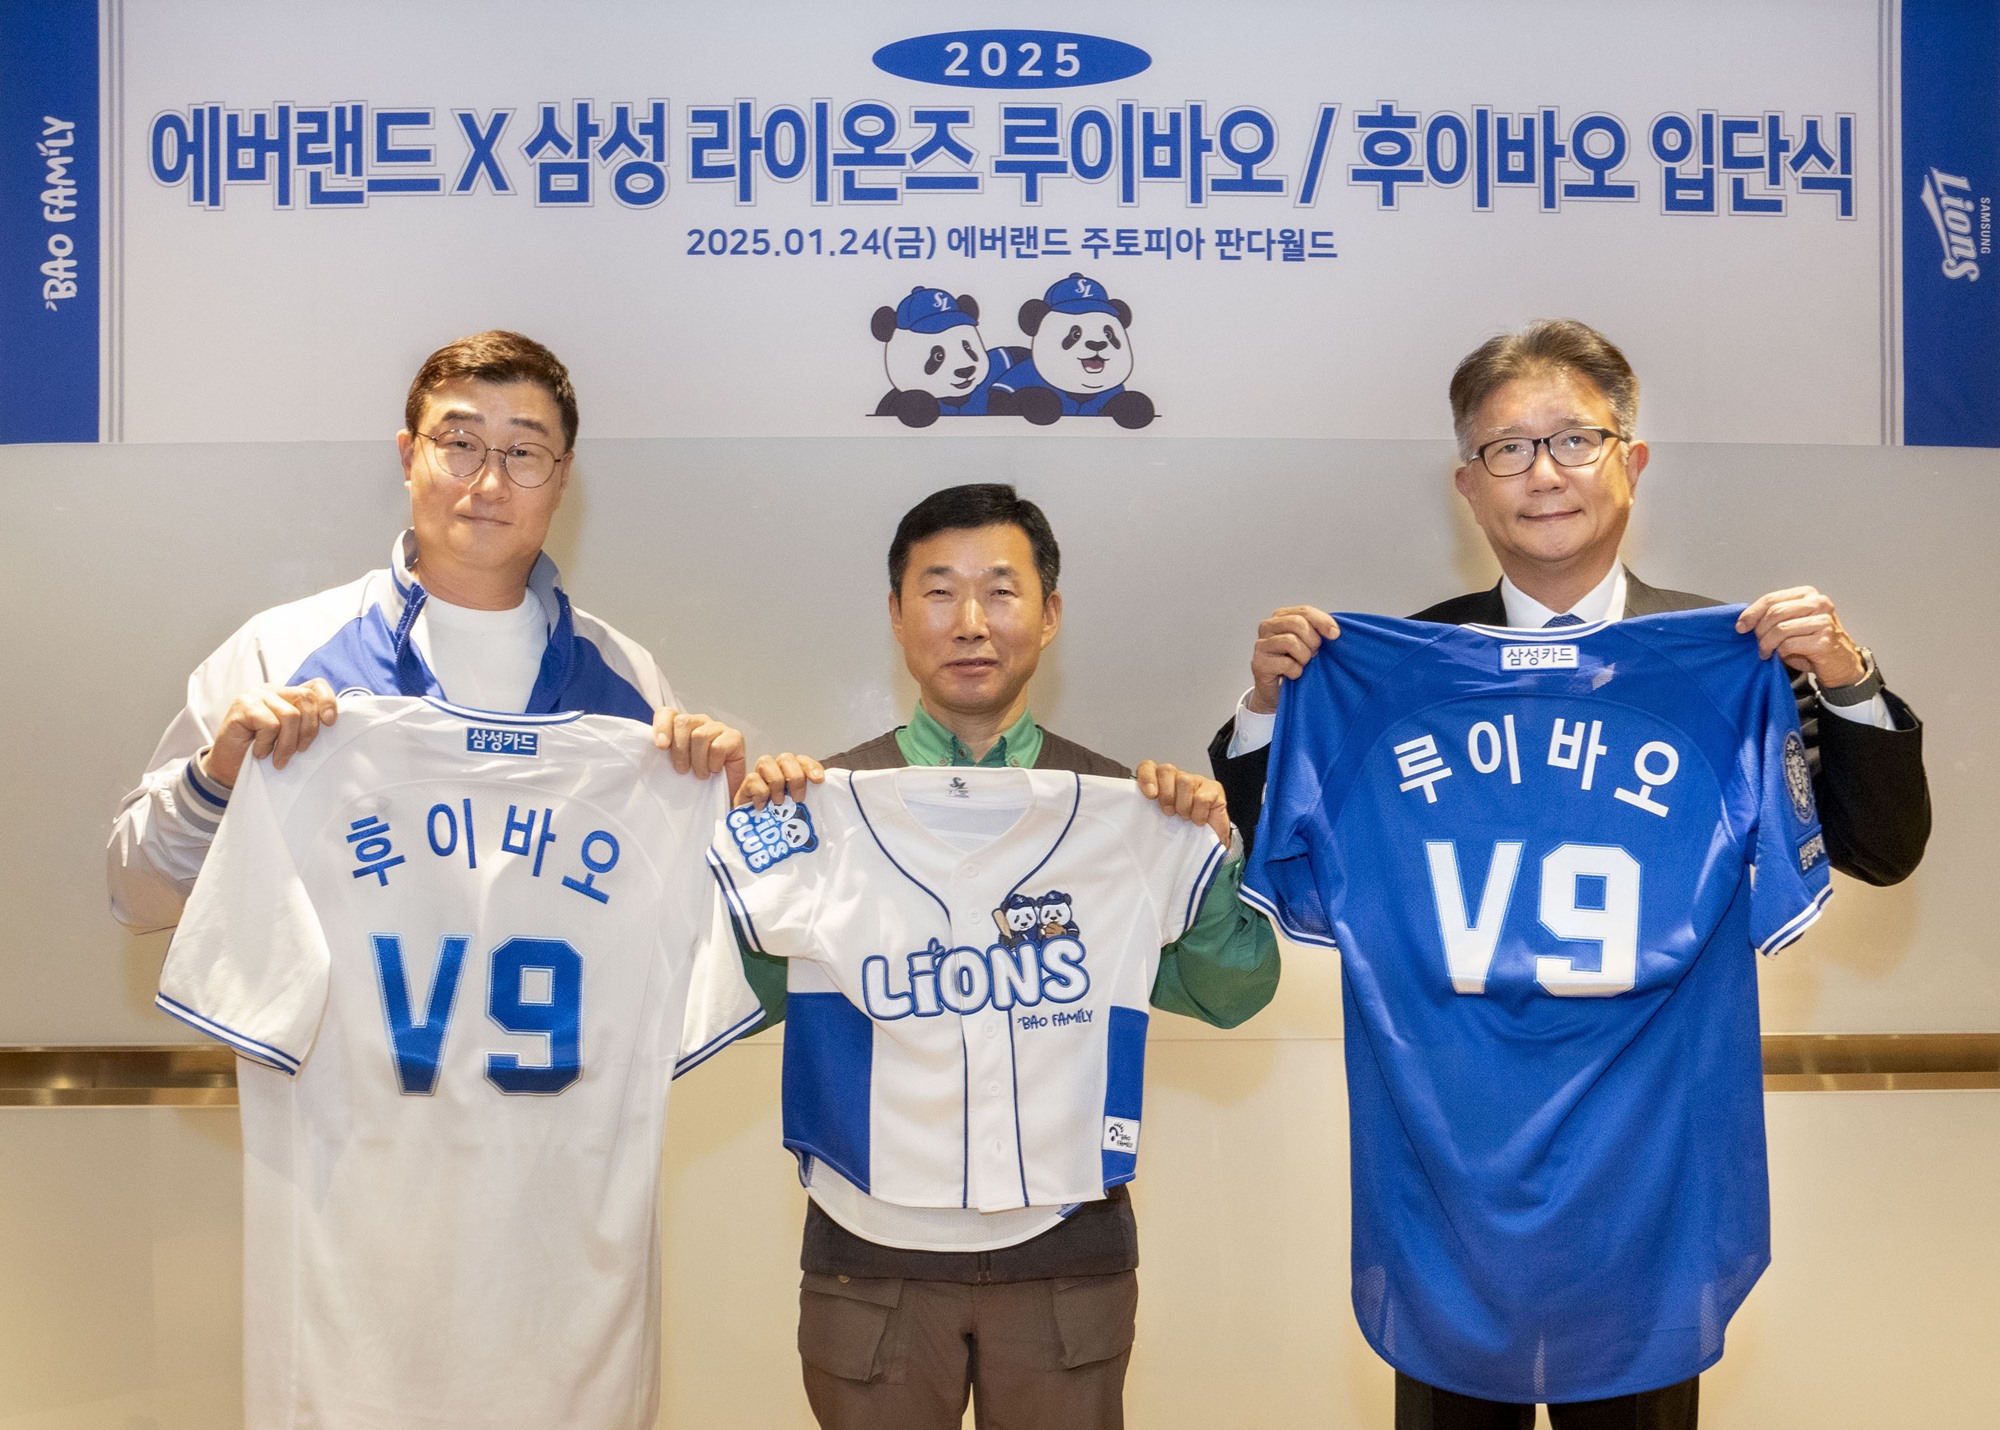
(1862, 691)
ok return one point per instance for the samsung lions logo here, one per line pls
(1947, 198)
(1798, 778)
(779, 830)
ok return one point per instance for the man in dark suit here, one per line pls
(1549, 467)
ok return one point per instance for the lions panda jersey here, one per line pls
(1545, 858)
(461, 955)
(971, 953)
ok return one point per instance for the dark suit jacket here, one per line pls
(1874, 802)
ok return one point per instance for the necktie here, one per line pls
(1565, 619)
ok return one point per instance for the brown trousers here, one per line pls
(1425, 1407)
(891, 1354)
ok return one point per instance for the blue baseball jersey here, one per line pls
(1535, 852)
(977, 403)
(1074, 404)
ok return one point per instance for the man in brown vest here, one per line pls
(906, 1312)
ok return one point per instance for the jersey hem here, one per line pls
(1637, 1387)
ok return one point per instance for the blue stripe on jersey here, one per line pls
(502, 717)
(1020, 1151)
(1076, 803)
(739, 912)
(828, 1082)
(1201, 886)
(714, 1045)
(1124, 1083)
(869, 824)
(250, 1048)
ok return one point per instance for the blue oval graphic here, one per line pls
(1012, 59)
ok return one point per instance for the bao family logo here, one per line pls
(1077, 362)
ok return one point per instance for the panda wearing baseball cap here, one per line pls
(938, 364)
(1081, 356)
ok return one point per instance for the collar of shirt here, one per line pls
(925, 742)
(1603, 602)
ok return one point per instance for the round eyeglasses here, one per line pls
(463, 454)
(1571, 447)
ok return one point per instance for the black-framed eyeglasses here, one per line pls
(463, 454)
(1571, 447)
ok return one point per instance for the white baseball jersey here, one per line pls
(971, 951)
(461, 955)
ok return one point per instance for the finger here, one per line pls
(663, 727)
(1327, 626)
(678, 739)
(263, 728)
(802, 772)
(1184, 798)
(732, 769)
(702, 738)
(326, 705)
(724, 749)
(1148, 776)
(754, 789)
(289, 723)
(1207, 797)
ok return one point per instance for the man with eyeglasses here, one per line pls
(469, 609)
(1549, 466)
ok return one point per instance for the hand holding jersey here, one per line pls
(971, 952)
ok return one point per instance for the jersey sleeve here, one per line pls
(1793, 874)
(721, 1005)
(771, 867)
(1180, 860)
(249, 964)
(1278, 877)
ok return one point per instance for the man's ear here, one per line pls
(1051, 617)
(406, 453)
(1463, 478)
(1637, 454)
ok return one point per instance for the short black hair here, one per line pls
(974, 505)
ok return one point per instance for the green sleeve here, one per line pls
(1225, 967)
(766, 977)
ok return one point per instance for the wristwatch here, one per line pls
(1862, 690)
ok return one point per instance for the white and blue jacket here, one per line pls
(357, 637)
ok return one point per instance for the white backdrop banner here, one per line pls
(238, 220)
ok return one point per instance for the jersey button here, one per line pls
(970, 871)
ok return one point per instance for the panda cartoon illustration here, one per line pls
(937, 363)
(1058, 918)
(795, 824)
(1080, 358)
(1020, 920)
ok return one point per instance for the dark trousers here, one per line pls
(887, 1353)
(1425, 1407)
